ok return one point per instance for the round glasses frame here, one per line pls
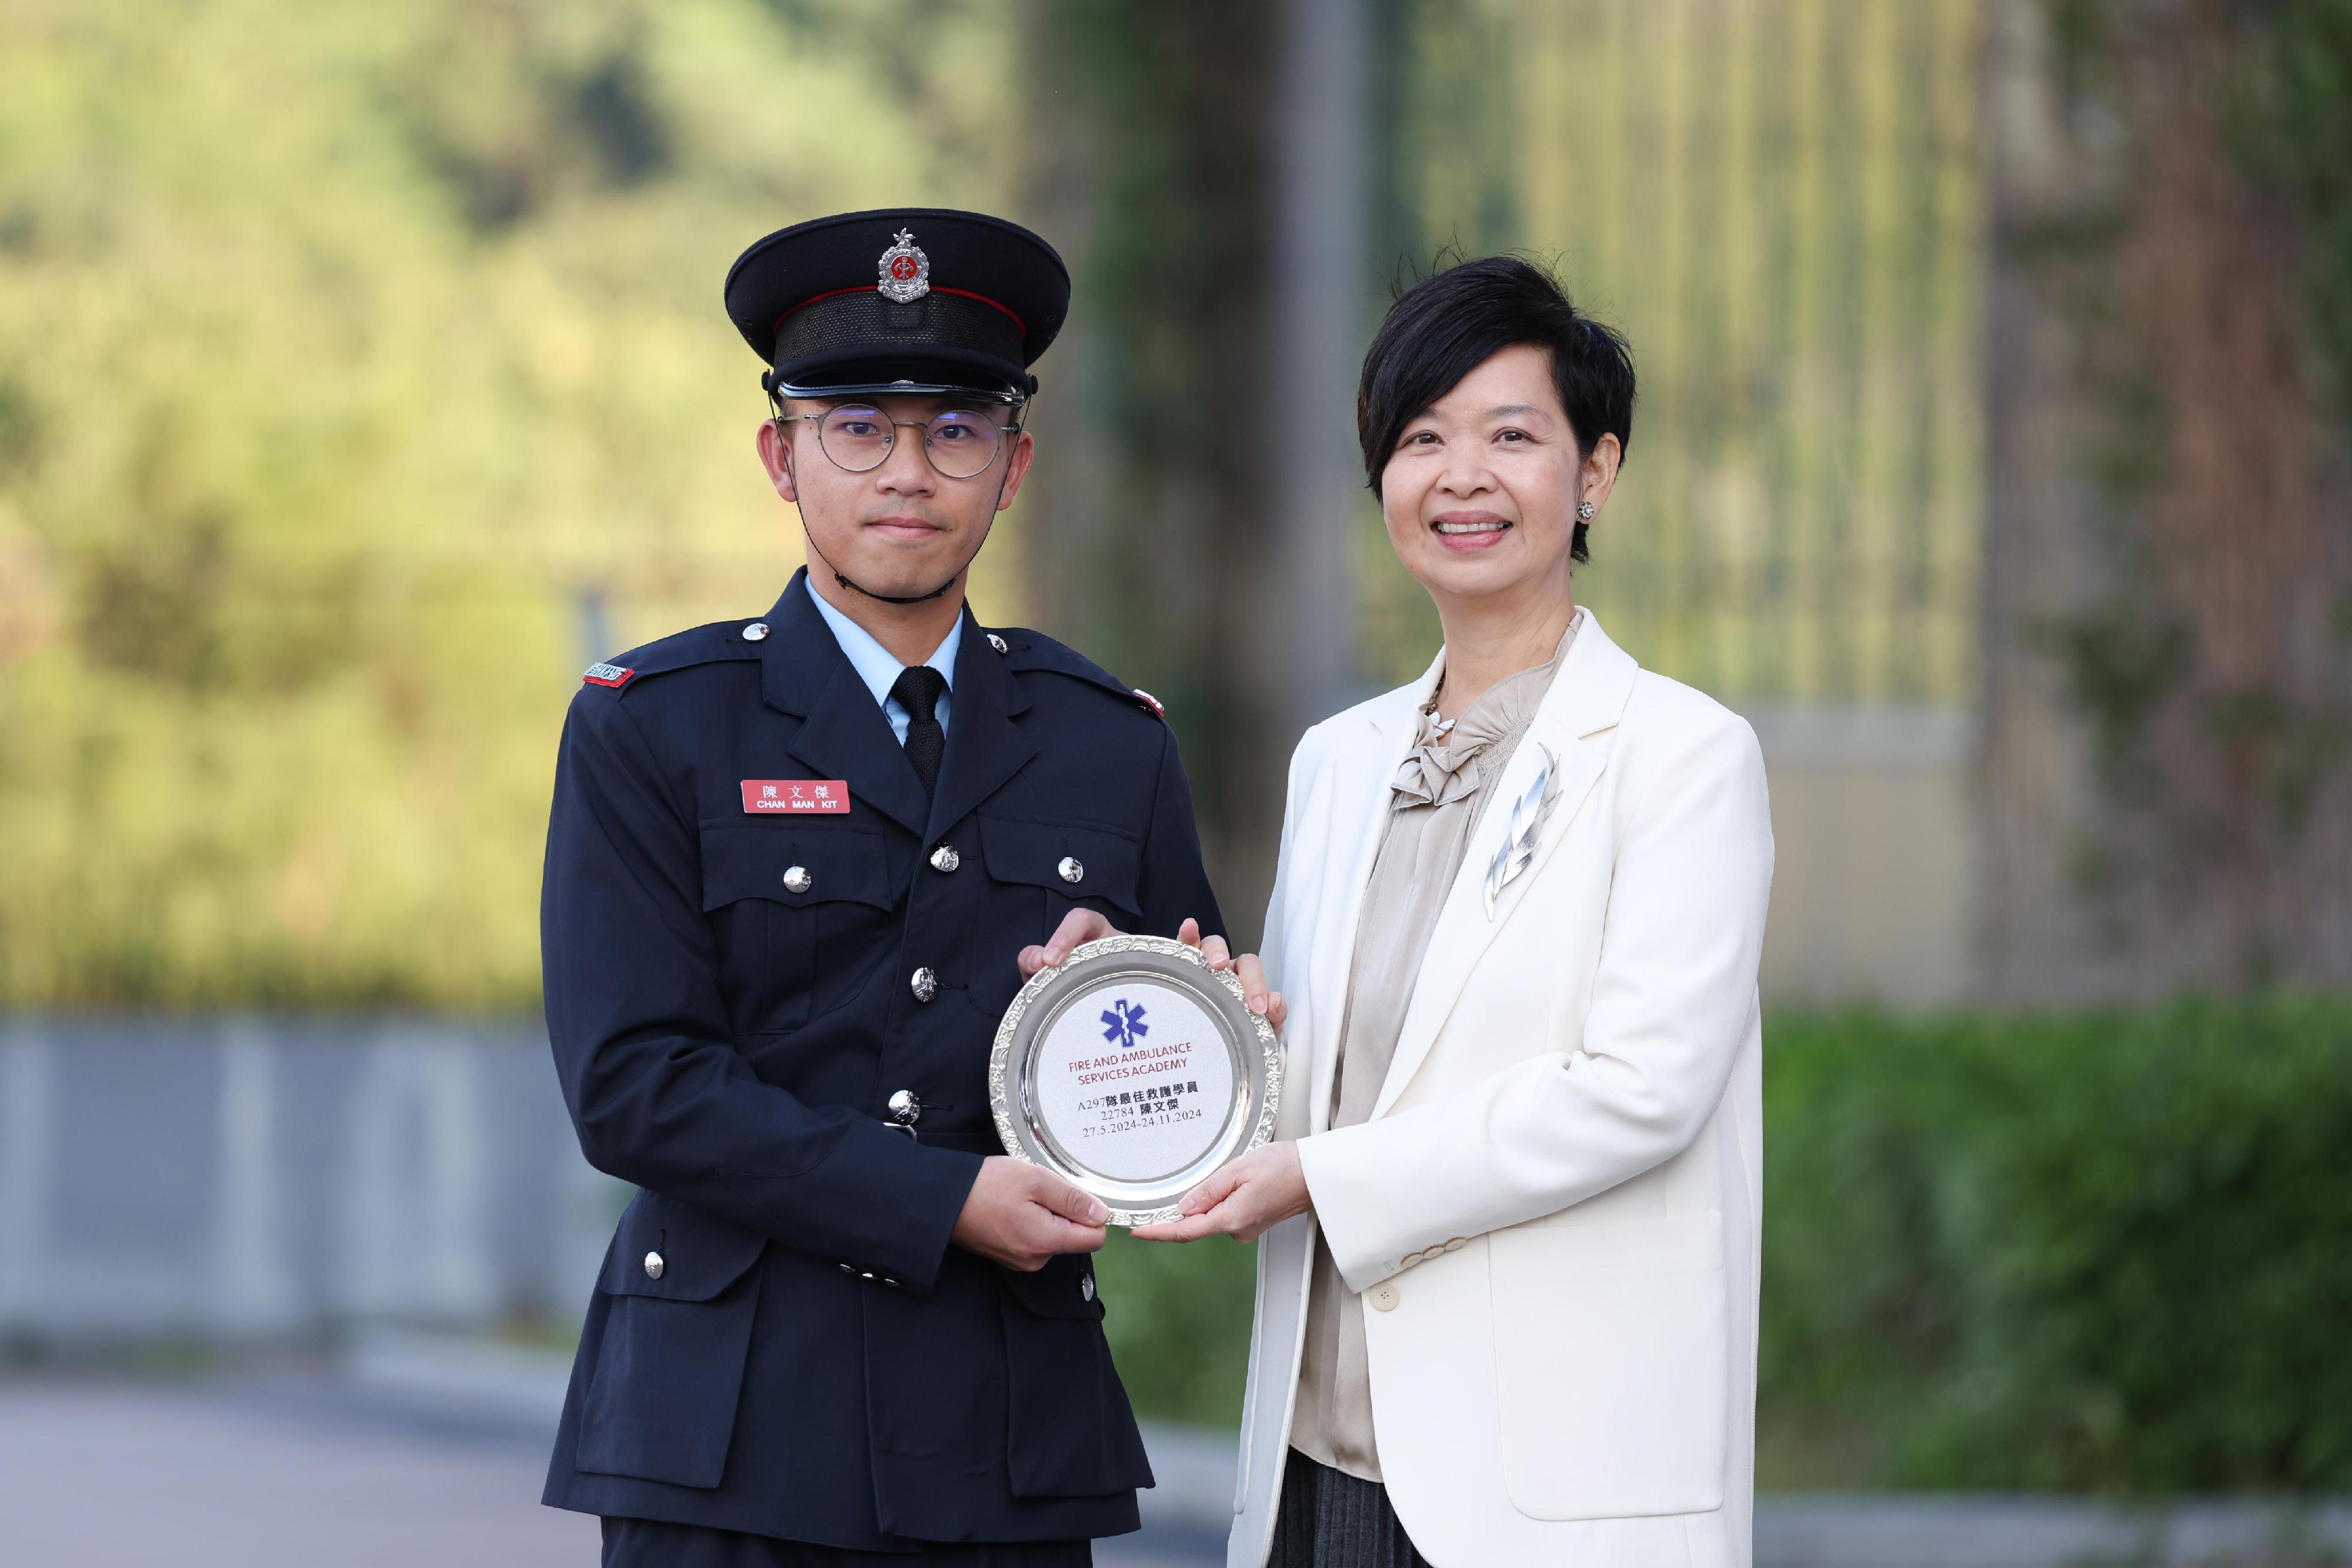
(891, 439)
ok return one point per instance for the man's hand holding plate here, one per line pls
(1024, 1217)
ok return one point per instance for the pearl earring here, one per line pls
(1584, 511)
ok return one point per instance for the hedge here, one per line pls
(2104, 1251)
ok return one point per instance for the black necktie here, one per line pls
(918, 689)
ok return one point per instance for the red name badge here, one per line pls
(828, 796)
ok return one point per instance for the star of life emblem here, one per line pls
(906, 270)
(1124, 1023)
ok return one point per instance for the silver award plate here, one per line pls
(1131, 1071)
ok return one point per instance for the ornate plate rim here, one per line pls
(1269, 1095)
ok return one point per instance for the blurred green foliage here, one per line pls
(2106, 1251)
(1179, 1322)
(362, 377)
(2304, 138)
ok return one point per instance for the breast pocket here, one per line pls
(1045, 870)
(780, 897)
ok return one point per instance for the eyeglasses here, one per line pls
(960, 442)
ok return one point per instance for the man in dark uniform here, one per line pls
(791, 862)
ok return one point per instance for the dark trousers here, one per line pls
(1329, 1519)
(652, 1543)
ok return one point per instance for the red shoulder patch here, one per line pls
(1147, 700)
(607, 676)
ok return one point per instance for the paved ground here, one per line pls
(300, 1473)
(380, 1467)
(113, 1476)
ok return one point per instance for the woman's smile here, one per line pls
(1464, 532)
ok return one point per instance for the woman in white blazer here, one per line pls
(1506, 1291)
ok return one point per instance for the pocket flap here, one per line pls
(1020, 849)
(1064, 1288)
(752, 860)
(700, 1255)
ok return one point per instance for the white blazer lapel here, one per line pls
(1587, 696)
(1360, 816)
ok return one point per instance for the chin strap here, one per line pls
(842, 578)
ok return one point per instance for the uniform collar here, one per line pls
(875, 664)
(805, 671)
(844, 733)
(985, 747)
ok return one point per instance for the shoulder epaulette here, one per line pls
(1025, 650)
(716, 643)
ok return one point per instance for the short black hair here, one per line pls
(1455, 319)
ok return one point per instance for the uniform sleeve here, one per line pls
(656, 1088)
(1673, 998)
(1175, 883)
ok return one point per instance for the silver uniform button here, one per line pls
(944, 858)
(1072, 869)
(925, 983)
(654, 1265)
(1087, 1287)
(998, 643)
(797, 879)
(905, 1106)
(756, 633)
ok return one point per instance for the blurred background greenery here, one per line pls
(362, 376)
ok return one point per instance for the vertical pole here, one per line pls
(253, 1290)
(1318, 228)
(28, 1116)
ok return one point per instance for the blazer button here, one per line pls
(797, 879)
(654, 1265)
(1085, 1287)
(1072, 869)
(924, 983)
(944, 858)
(906, 1107)
(1384, 1296)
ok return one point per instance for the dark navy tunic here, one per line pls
(809, 1358)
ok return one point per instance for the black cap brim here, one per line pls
(993, 298)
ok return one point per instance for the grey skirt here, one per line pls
(1329, 1519)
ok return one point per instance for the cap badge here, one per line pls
(906, 270)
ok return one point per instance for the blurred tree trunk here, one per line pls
(1169, 534)
(2166, 681)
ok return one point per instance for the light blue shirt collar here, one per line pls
(878, 667)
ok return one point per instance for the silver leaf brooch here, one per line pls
(1529, 814)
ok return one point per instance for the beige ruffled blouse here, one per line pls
(1436, 800)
